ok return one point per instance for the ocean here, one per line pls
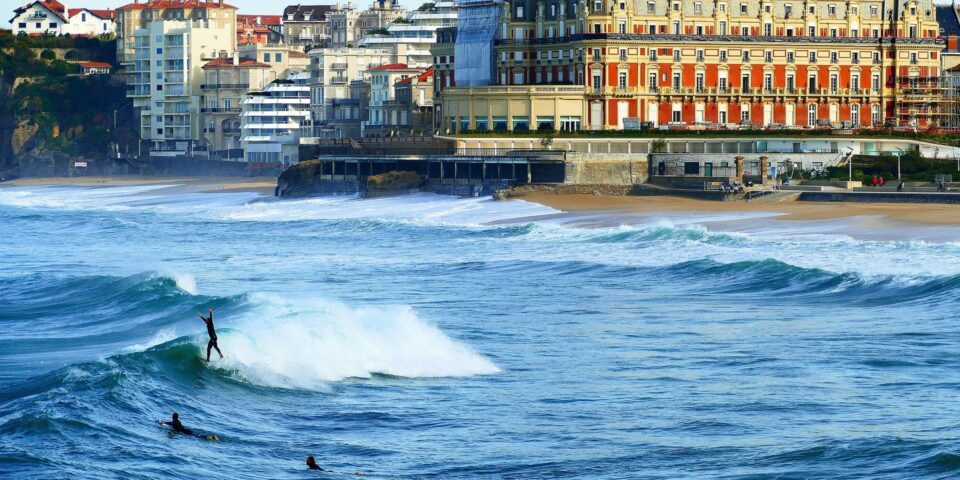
(427, 336)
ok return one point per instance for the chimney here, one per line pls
(236, 57)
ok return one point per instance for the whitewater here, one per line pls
(427, 336)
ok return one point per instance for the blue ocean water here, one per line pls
(432, 337)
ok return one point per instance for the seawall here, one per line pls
(882, 197)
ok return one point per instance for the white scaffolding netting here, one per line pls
(477, 25)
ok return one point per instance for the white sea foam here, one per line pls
(307, 343)
(185, 282)
(162, 336)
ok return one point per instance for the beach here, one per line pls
(931, 214)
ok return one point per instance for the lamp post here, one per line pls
(850, 163)
(898, 162)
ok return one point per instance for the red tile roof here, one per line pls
(393, 66)
(422, 77)
(955, 68)
(104, 14)
(164, 4)
(228, 63)
(252, 19)
(53, 6)
(298, 54)
(95, 65)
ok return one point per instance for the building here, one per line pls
(283, 59)
(225, 86)
(95, 68)
(383, 80)
(417, 33)
(163, 47)
(258, 29)
(91, 22)
(272, 118)
(337, 78)
(695, 64)
(348, 26)
(39, 17)
(51, 16)
(306, 25)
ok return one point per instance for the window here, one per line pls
(766, 8)
(833, 33)
(277, 57)
(623, 54)
(746, 55)
(834, 57)
(159, 88)
(676, 6)
(596, 28)
(622, 80)
(622, 27)
(653, 55)
(812, 114)
(651, 7)
(676, 80)
(599, 7)
(768, 82)
(745, 82)
(652, 29)
(812, 83)
(855, 83)
(723, 55)
(699, 55)
(875, 83)
(767, 29)
(812, 31)
(855, 58)
(791, 84)
(22, 25)
(812, 57)
(159, 51)
(832, 10)
(834, 82)
(723, 7)
(266, 57)
(745, 31)
(913, 31)
(788, 10)
(653, 81)
(913, 58)
(676, 55)
(744, 113)
(790, 58)
(853, 10)
(697, 7)
(722, 84)
(699, 29)
(873, 11)
(675, 116)
(876, 58)
(723, 28)
(875, 114)
(676, 28)
(743, 9)
(768, 56)
(699, 82)
(596, 53)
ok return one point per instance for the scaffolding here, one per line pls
(929, 102)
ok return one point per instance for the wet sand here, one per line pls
(925, 213)
(261, 185)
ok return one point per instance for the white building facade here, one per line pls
(40, 17)
(271, 120)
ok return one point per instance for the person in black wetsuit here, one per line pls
(212, 333)
(312, 464)
(179, 428)
(177, 425)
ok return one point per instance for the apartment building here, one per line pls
(384, 117)
(225, 86)
(272, 118)
(258, 29)
(710, 64)
(283, 59)
(163, 47)
(337, 75)
(349, 25)
(417, 32)
(307, 25)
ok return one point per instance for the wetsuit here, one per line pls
(213, 336)
(178, 426)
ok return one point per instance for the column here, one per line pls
(763, 168)
(739, 162)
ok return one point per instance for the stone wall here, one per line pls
(880, 197)
(606, 169)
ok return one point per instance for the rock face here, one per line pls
(393, 183)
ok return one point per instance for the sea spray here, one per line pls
(306, 343)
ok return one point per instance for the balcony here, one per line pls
(220, 110)
(224, 86)
(338, 80)
(338, 66)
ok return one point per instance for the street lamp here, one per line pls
(898, 162)
(850, 163)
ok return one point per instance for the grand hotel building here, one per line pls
(598, 65)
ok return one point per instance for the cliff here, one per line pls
(47, 108)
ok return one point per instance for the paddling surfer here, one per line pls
(178, 427)
(212, 333)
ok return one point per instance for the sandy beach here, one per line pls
(261, 185)
(933, 214)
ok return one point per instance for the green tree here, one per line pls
(48, 54)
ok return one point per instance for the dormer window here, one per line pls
(520, 11)
(743, 9)
(306, 17)
(289, 16)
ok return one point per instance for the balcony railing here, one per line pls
(338, 66)
(216, 86)
(220, 110)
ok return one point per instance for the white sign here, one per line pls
(79, 164)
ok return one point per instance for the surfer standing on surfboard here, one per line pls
(212, 333)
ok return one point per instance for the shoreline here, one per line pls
(261, 185)
(915, 213)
